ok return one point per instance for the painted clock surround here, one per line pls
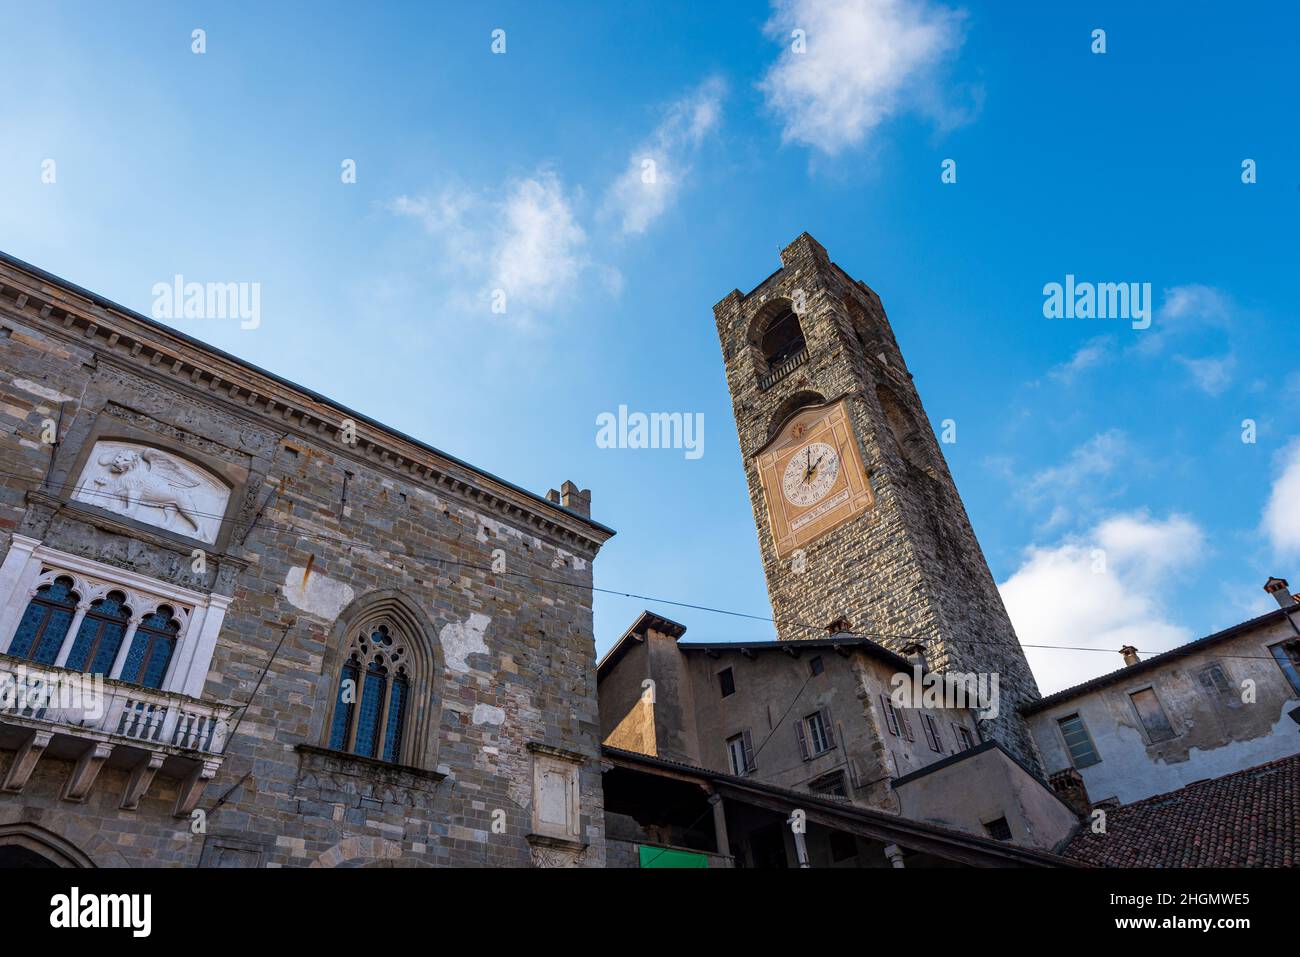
(824, 500)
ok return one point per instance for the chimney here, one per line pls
(839, 625)
(1130, 656)
(1281, 592)
(1069, 787)
(574, 500)
(915, 652)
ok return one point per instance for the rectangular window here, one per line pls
(1152, 715)
(1287, 656)
(1077, 741)
(965, 740)
(816, 665)
(931, 732)
(999, 830)
(904, 724)
(818, 734)
(829, 785)
(1215, 681)
(727, 682)
(740, 751)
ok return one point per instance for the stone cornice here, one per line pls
(114, 332)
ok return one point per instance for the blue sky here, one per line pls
(479, 171)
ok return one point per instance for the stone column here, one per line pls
(71, 637)
(720, 825)
(119, 662)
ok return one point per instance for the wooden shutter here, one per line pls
(931, 733)
(905, 724)
(828, 728)
(800, 728)
(749, 750)
(891, 719)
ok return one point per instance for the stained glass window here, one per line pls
(344, 707)
(151, 649)
(100, 635)
(371, 711)
(371, 722)
(45, 623)
(396, 715)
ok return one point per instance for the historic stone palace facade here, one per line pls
(241, 625)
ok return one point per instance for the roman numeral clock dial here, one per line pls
(812, 476)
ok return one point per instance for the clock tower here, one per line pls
(860, 525)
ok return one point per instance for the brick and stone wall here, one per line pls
(382, 520)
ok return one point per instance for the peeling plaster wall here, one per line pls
(1211, 739)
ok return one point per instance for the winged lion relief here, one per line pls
(154, 487)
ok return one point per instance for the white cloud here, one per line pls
(1211, 375)
(1185, 311)
(1082, 480)
(1281, 522)
(865, 61)
(1093, 353)
(523, 240)
(657, 170)
(1198, 302)
(1101, 590)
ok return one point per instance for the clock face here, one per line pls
(810, 474)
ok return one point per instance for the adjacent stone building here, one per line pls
(840, 718)
(1221, 704)
(242, 625)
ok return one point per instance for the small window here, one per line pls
(816, 665)
(965, 740)
(100, 636)
(740, 750)
(815, 734)
(727, 682)
(829, 785)
(1077, 741)
(1287, 656)
(999, 830)
(151, 650)
(1154, 720)
(931, 732)
(1215, 681)
(45, 623)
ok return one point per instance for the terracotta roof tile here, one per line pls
(1248, 818)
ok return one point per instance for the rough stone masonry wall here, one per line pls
(514, 656)
(910, 567)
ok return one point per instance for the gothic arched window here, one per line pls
(373, 694)
(45, 623)
(100, 636)
(151, 648)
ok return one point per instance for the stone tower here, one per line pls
(859, 523)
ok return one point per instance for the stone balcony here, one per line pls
(56, 714)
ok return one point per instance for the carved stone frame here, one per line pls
(108, 428)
